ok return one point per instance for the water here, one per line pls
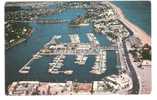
(17, 56)
(139, 12)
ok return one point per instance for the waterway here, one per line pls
(17, 56)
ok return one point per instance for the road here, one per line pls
(135, 89)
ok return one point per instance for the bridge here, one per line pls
(50, 21)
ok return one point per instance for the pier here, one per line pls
(25, 69)
(77, 52)
(72, 48)
(100, 63)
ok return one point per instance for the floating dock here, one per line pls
(81, 59)
(74, 38)
(100, 63)
(92, 38)
(25, 69)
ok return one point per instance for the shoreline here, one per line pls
(143, 36)
(144, 75)
(19, 41)
(16, 43)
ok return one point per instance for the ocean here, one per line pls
(138, 12)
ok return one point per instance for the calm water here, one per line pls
(139, 12)
(17, 56)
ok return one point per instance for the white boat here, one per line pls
(57, 36)
(68, 72)
(95, 67)
(95, 72)
(51, 64)
(24, 70)
(37, 56)
(103, 69)
(85, 58)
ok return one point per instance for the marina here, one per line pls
(100, 64)
(84, 53)
(81, 42)
(81, 49)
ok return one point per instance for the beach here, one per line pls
(144, 73)
(143, 36)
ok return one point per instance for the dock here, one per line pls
(100, 63)
(92, 39)
(25, 69)
(73, 48)
(56, 65)
(81, 59)
(74, 38)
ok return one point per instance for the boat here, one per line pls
(24, 70)
(68, 72)
(103, 69)
(81, 60)
(51, 64)
(58, 66)
(37, 56)
(95, 67)
(57, 36)
(95, 72)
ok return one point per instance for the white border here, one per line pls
(142, 97)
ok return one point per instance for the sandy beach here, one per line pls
(144, 74)
(143, 36)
